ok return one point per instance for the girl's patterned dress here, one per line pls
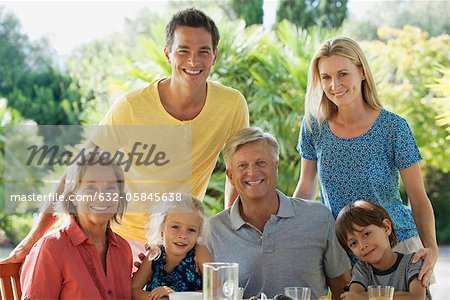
(183, 278)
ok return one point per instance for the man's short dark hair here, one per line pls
(192, 17)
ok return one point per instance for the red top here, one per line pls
(66, 265)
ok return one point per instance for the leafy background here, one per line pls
(407, 44)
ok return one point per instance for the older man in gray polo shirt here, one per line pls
(278, 241)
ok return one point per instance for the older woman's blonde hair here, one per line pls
(247, 136)
(74, 177)
(317, 104)
(185, 203)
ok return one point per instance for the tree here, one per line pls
(13, 59)
(15, 220)
(30, 80)
(308, 13)
(249, 10)
(332, 13)
(430, 16)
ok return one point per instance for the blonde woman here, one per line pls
(356, 149)
(85, 259)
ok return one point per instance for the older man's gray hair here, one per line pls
(247, 136)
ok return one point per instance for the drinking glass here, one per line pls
(298, 292)
(380, 292)
(220, 281)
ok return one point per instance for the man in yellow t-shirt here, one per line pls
(205, 114)
(223, 114)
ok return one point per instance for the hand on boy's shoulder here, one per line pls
(417, 263)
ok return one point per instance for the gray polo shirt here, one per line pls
(298, 247)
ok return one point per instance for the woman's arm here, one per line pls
(140, 278)
(44, 223)
(46, 219)
(424, 218)
(307, 184)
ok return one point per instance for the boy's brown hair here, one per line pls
(361, 213)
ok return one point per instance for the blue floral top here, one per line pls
(183, 278)
(364, 168)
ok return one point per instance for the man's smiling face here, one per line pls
(191, 55)
(253, 171)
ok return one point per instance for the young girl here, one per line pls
(85, 259)
(366, 230)
(358, 150)
(175, 260)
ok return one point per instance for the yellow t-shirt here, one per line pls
(191, 147)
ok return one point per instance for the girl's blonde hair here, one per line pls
(74, 176)
(187, 203)
(317, 104)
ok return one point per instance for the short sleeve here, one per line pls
(336, 261)
(111, 134)
(241, 117)
(413, 270)
(40, 276)
(119, 114)
(406, 151)
(305, 144)
(360, 274)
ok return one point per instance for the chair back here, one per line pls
(9, 282)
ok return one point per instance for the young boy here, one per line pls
(365, 230)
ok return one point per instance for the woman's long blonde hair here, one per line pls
(317, 104)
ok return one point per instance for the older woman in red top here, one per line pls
(85, 259)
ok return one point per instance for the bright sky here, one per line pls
(71, 23)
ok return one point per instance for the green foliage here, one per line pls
(48, 97)
(29, 80)
(438, 189)
(441, 101)
(403, 65)
(14, 227)
(249, 10)
(430, 16)
(13, 62)
(15, 136)
(309, 13)
(94, 66)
